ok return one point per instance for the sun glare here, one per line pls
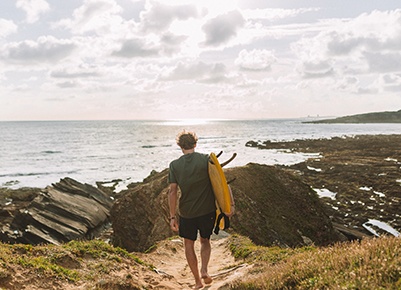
(186, 122)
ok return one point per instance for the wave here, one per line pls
(51, 152)
(154, 146)
(38, 173)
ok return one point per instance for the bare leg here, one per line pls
(206, 250)
(193, 262)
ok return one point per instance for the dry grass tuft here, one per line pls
(370, 264)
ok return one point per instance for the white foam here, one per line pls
(314, 169)
(325, 193)
(380, 194)
(390, 159)
(381, 225)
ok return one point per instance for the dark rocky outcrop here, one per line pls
(272, 208)
(65, 211)
(363, 171)
(377, 117)
(140, 217)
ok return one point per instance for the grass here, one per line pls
(370, 264)
(73, 261)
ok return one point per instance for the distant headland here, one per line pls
(377, 117)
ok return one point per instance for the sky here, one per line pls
(191, 59)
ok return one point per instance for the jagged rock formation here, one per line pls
(66, 211)
(273, 207)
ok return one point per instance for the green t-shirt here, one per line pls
(191, 174)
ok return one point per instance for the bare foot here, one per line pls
(207, 279)
(198, 286)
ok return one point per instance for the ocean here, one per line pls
(39, 153)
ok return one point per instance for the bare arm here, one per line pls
(172, 203)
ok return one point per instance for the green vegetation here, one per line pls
(370, 264)
(74, 261)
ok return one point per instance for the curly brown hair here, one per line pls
(186, 140)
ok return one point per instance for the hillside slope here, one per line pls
(377, 117)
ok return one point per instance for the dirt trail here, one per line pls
(169, 259)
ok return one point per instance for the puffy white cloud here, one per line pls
(222, 28)
(33, 8)
(7, 27)
(47, 49)
(98, 16)
(390, 82)
(136, 48)
(158, 17)
(255, 59)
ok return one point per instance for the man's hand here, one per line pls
(174, 225)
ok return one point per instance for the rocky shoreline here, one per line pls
(360, 175)
(362, 172)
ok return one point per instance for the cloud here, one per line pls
(171, 43)
(316, 69)
(158, 17)
(33, 8)
(7, 27)
(222, 28)
(369, 43)
(202, 72)
(348, 84)
(383, 62)
(273, 14)
(46, 49)
(74, 73)
(99, 16)
(137, 48)
(390, 82)
(255, 59)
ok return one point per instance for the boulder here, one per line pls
(62, 212)
(140, 216)
(273, 207)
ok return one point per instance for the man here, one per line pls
(197, 207)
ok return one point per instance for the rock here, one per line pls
(140, 217)
(60, 213)
(273, 207)
(363, 171)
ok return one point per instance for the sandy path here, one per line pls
(169, 259)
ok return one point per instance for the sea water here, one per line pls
(39, 153)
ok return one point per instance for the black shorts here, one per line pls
(188, 228)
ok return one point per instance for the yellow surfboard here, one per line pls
(220, 186)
